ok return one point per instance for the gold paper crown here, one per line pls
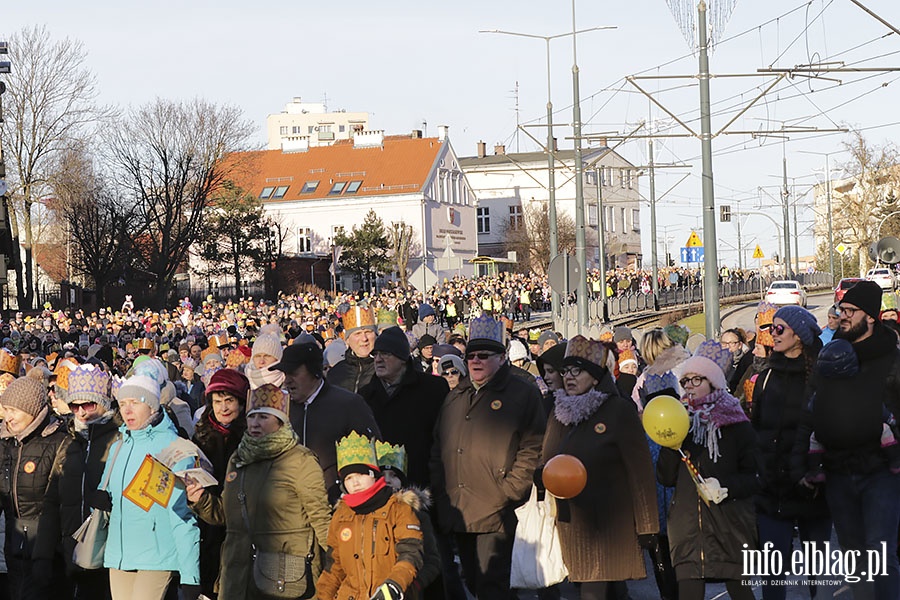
(487, 328)
(146, 344)
(386, 318)
(589, 350)
(5, 380)
(358, 317)
(268, 398)
(217, 340)
(10, 363)
(765, 314)
(355, 449)
(391, 457)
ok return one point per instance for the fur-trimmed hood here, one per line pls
(417, 498)
(668, 359)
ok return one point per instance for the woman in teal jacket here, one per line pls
(146, 548)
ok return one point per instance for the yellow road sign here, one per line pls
(694, 241)
(758, 253)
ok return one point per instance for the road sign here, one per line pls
(841, 248)
(557, 274)
(758, 253)
(692, 255)
(694, 241)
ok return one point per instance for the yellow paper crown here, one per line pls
(10, 363)
(391, 457)
(358, 317)
(386, 318)
(355, 449)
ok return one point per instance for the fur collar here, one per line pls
(572, 410)
(668, 359)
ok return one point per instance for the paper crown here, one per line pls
(677, 333)
(355, 449)
(10, 363)
(715, 352)
(656, 383)
(62, 372)
(534, 335)
(585, 349)
(269, 399)
(386, 318)
(218, 339)
(765, 314)
(357, 317)
(146, 344)
(486, 327)
(391, 457)
(889, 301)
(5, 380)
(88, 383)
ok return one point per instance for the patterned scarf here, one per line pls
(254, 449)
(572, 410)
(709, 414)
(260, 377)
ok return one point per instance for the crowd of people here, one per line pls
(377, 446)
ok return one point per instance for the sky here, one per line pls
(417, 65)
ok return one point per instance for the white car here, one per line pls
(882, 276)
(786, 292)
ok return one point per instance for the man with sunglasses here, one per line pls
(487, 444)
(848, 414)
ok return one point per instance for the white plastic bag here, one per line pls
(537, 555)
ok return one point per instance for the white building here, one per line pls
(316, 191)
(313, 123)
(506, 184)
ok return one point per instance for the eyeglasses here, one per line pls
(732, 343)
(847, 311)
(573, 371)
(778, 329)
(480, 355)
(694, 381)
(88, 406)
(450, 372)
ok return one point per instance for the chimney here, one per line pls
(482, 149)
(603, 142)
(443, 132)
(416, 134)
(499, 149)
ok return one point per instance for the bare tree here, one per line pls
(49, 101)
(401, 239)
(98, 222)
(531, 239)
(172, 156)
(868, 196)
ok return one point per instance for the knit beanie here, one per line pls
(451, 361)
(802, 322)
(425, 310)
(334, 352)
(701, 365)
(425, 341)
(140, 387)
(546, 337)
(865, 295)
(393, 341)
(517, 350)
(27, 394)
(622, 333)
(268, 343)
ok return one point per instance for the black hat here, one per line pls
(393, 341)
(426, 340)
(865, 295)
(295, 355)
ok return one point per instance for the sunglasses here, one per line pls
(778, 329)
(480, 355)
(89, 406)
(451, 372)
(694, 381)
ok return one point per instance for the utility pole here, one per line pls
(653, 252)
(580, 249)
(796, 232)
(4, 188)
(710, 255)
(785, 194)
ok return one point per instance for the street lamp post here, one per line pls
(827, 156)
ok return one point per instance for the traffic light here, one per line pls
(725, 213)
(669, 260)
(777, 259)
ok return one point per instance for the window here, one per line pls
(283, 130)
(610, 219)
(635, 219)
(336, 230)
(295, 130)
(310, 129)
(280, 191)
(353, 187)
(590, 177)
(304, 240)
(516, 220)
(324, 129)
(266, 192)
(484, 219)
(337, 188)
(342, 128)
(622, 177)
(592, 216)
(622, 216)
(309, 187)
(629, 175)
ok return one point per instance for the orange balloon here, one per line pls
(564, 476)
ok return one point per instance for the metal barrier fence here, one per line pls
(623, 304)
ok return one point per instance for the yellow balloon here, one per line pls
(666, 421)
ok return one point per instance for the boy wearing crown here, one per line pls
(375, 543)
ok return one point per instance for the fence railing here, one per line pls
(220, 293)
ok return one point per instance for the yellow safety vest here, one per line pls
(486, 303)
(451, 309)
(525, 297)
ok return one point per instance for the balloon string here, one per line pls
(691, 468)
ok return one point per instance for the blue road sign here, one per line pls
(692, 255)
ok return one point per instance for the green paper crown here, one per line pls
(355, 449)
(391, 457)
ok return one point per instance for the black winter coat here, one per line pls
(81, 476)
(352, 373)
(29, 489)
(780, 398)
(320, 424)
(706, 541)
(408, 417)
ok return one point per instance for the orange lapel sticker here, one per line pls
(231, 476)
(346, 534)
(29, 467)
(496, 404)
(600, 428)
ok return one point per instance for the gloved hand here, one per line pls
(42, 569)
(389, 590)
(649, 541)
(712, 490)
(190, 592)
(99, 499)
